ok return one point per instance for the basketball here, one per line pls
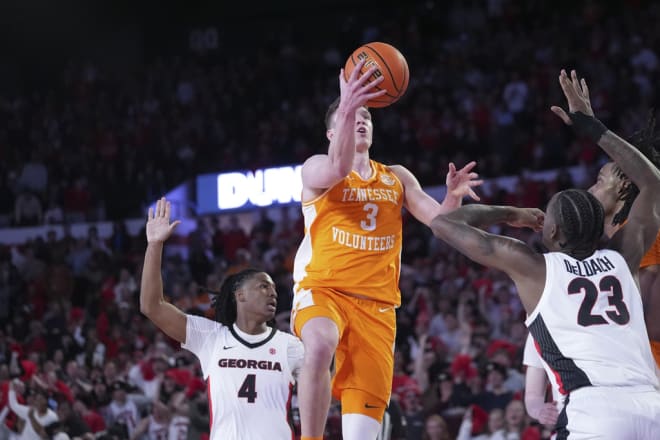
(391, 64)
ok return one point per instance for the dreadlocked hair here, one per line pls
(580, 217)
(646, 140)
(224, 302)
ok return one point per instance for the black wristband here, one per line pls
(587, 126)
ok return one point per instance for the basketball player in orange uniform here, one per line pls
(347, 267)
(649, 285)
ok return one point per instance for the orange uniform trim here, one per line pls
(652, 257)
(655, 349)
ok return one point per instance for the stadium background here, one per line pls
(105, 107)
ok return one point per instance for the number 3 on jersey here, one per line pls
(370, 223)
(608, 284)
(249, 388)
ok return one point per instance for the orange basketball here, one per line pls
(391, 64)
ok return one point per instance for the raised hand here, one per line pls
(159, 227)
(577, 95)
(528, 218)
(356, 90)
(461, 182)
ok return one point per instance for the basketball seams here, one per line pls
(384, 64)
(385, 60)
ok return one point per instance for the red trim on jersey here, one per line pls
(288, 410)
(208, 396)
(557, 377)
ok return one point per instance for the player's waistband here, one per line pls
(615, 389)
(299, 290)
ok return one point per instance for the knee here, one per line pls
(319, 348)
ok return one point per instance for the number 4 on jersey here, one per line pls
(249, 388)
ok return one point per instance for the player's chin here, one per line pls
(362, 143)
(270, 311)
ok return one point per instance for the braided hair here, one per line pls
(580, 216)
(646, 141)
(224, 302)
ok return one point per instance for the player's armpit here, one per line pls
(319, 172)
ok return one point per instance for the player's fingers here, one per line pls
(342, 76)
(474, 195)
(469, 167)
(575, 82)
(473, 175)
(367, 75)
(566, 85)
(585, 89)
(150, 214)
(561, 113)
(356, 70)
(374, 95)
(472, 183)
(452, 168)
(371, 87)
(168, 209)
(161, 207)
(174, 225)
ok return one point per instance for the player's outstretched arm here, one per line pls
(324, 170)
(166, 317)
(423, 207)
(644, 219)
(460, 229)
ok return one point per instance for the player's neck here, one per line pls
(251, 326)
(362, 165)
(609, 230)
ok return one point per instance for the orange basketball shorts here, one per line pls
(364, 360)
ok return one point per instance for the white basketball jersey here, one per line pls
(532, 358)
(179, 428)
(126, 414)
(158, 430)
(250, 383)
(589, 324)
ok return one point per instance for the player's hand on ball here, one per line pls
(159, 227)
(357, 90)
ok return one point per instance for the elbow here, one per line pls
(437, 226)
(146, 308)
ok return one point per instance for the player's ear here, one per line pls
(240, 295)
(554, 232)
(329, 133)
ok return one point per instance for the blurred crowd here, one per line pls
(95, 144)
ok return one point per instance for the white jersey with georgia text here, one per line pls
(589, 327)
(250, 378)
